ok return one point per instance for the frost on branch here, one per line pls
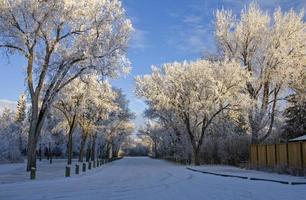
(271, 47)
(61, 40)
(196, 92)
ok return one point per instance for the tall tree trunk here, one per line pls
(82, 146)
(155, 149)
(196, 156)
(109, 151)
(88, 150)
(31, 150)
(69, 145)
(275, 93)
(93, 147)
(69, 148)
(265, 97)
(36, 124)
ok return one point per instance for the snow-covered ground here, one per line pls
(229, 170)
(11, 173)
(145, 178)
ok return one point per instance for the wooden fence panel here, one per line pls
(282, 155)
(294, 154)
(304, 154)
(271, 155)
(262, 155)
(291, 155)
(253, 155)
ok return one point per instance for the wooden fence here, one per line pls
(290, 156)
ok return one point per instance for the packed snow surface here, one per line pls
(144, 178)
(229, 170)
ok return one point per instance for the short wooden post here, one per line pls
(77, 169)
(84, 167)
(51, 158)
(98, 163)
(33, 173)
(89, 165)
(67, 172)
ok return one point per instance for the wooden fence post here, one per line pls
(89, 165)
(84, 167)
(77, 169)
(67, 172)
(33, 173)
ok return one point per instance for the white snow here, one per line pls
(301, 138)
(11, 173)
(145, 178)
(229, 170)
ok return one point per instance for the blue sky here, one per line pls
(165, 31)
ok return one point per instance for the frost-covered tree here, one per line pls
(98, 103)
(19, 119)
(197, 92)
(119, 138)
(9, 138)
(21, 107)
(118, 123)
(69, 104)
(295, 114)
(271, 48)
(154, 132)
(60, 40)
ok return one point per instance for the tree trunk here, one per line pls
(82, 146)
(69, 145)
(88, 151)
(196, 156)
(34, 132)
(109, 151)
(265, 97)
(93, 147)
(155, 149)
(31, 152)
(38, 116)
(254, 125)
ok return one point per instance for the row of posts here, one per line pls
(89, 165)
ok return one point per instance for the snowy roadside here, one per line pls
(224, 170)
(14, 173)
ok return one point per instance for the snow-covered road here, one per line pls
(145, 178)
